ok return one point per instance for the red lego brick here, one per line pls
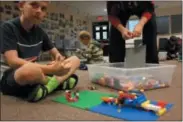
(161, 104)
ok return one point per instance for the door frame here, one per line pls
(94, 24)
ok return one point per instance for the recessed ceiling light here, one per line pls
(105, 9)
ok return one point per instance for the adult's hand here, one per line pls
(126, 34)
(138, 30)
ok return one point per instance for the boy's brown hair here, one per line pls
(84, 34)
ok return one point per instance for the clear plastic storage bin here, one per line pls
(114, 75)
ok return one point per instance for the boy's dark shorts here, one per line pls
(8, 85)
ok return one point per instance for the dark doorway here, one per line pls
(101, 34)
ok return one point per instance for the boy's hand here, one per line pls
(64, 63)
(59, 65)
(59, 57)
(50, 63)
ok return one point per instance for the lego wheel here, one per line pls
(122, 101)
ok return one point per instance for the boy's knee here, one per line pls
(76, 61)
(27, 74)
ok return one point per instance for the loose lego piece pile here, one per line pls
(92, 87)
(71, 97)
(135, 99)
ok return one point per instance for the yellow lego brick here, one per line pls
(161, 111)
(145, 103)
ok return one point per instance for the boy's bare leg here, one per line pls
(29, 74)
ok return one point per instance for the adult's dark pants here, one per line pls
(117, 48)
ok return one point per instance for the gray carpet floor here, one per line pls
(15, 109)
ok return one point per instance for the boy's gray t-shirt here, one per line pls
(28, 44)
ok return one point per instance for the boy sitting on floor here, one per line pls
(22, 41)
(93, 52)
